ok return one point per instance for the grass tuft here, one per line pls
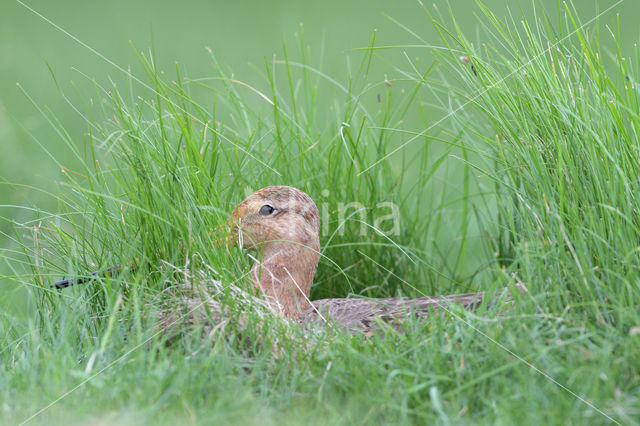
(516, 164)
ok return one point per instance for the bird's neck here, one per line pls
(285, 274)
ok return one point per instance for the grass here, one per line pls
(530, 179)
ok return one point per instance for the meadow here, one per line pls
(506, 140)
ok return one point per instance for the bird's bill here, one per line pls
(227, 233)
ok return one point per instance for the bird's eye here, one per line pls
(266, 210)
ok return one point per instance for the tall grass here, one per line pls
(563, 153)
(531, 180)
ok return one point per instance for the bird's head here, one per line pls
(282, 223)
(275, 216)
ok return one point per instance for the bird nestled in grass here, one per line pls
(282, 224)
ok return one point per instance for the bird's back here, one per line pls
(365, 315)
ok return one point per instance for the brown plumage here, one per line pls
(282, 224)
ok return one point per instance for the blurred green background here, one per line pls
(239, 33)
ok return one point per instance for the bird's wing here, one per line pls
(365, 314)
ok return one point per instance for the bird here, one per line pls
(282, 224)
